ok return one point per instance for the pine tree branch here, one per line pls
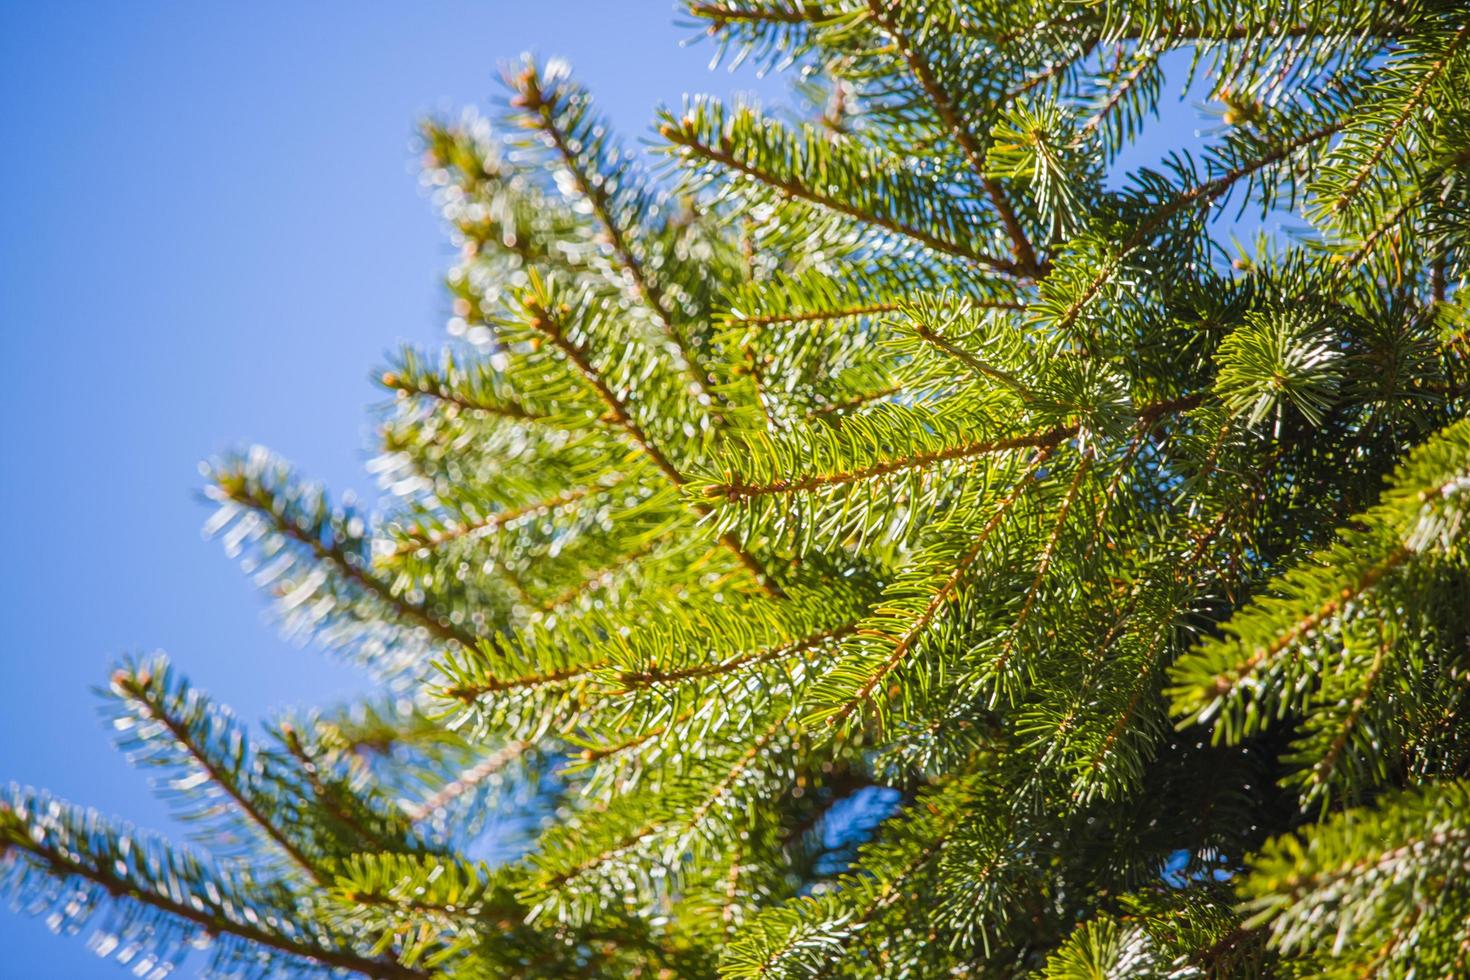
(1116, 94)
(137, 688)
(466, 781)
(1135, 698)
(796, 191)
(328, 796)
(1052, 70)
(602, 752)
(856, 401)
(509, 408)
(941, 596)
(1324, 767)
(746, 760)
(725, 13)
(972, 362)
(736, 491)
(745, 491)
(546, 324)
(1231, 678)
(333, 554)
(1395, 129)
(815, 315)
(653, 676)
(66, 865)
(659, 825)
(874, 900)
(1025, 257)
(1202, 194)
(469, 693)
(418, 538)
(532, 99)
(599, 578)
(852, 311)
(549, 326)
(1043, 565)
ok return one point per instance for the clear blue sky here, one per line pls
(210, 232)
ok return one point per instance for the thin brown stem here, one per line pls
(139, 691)
(419, 538)
(972, 362)
(1048, 552)
(941, 595)
(423, 388)
(857, 401)
(329, 796)
(419, 613)
(219, 924)
(652, 676)
(543, 322)
(1395, 129)
(1021, 250)
(797, 191)
(466, 781)
(742, 491)
(725, 13)
(595, 193)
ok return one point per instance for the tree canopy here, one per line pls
(880, 538)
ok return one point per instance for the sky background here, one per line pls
(211, 232)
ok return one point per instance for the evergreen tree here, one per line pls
(889, 541)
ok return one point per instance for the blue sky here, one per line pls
(212, 231)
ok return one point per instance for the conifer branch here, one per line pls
(1325, 766)
(1199, 195)
(745, 761)
(1394, 130)
(1117, 93)
(468, 780)
(744, 491)
(1370, 576)
(1046, 74)
(531, 98)
(1055, 485)
(424, 386)
(652, 676)
(140, 691)
(847, 312)
(815, 315)
(598, 578)
(800, 192)
(469, 693)
(418, 539)
(66, 863)
(331, 797)
(661, 825)
(632, 742)
(1043, 564)
(343, 960)
(855, 402)
(726, 13)
(550, 327)
(974, 363)
(941, 596)
(1140, 687)
(331, 552)
(1025, 257)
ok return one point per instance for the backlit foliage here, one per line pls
(892, 541)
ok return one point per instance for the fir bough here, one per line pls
(893, 542)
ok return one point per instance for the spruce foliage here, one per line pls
(887, 541)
